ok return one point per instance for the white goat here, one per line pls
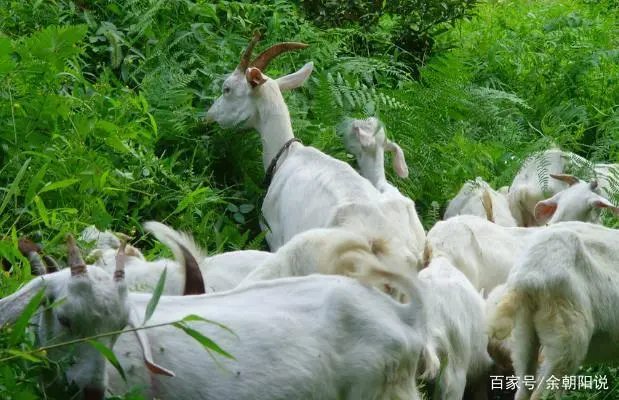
(562, 297)
(581, 201)
(456, 328)
(94, 303)
(306, 188)
(222, 271)
(478, 198)
(485, 252)
(533, 184)
(303, 338)
(482, 250)
(366, 140)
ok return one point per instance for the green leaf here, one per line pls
(203, 340)
(25, 356)
(14, 186)
(109, 354)
(36, 181)
(58, 185)
(246, 208)
(193, 317)
(41, 209)
(154, 300)
(22, 322)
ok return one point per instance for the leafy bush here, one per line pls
(404, 28)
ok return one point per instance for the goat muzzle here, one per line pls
(75, 260)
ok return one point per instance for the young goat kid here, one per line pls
(306, 188)
(367, 141)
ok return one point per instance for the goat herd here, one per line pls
(356, 300)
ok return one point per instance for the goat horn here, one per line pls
(119, 273)
(264, 58)
(569, 179)
(38, 268)
(51, 264)
(244, 63)
(76, 262)
(27, 246)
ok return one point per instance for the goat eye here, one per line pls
(65, 322)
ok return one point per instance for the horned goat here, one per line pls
(306, 188)
(95, 303)
(532, 184)
(303, 337)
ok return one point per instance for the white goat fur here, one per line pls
(304, 338)
(456, 327)
(581, 201)
(482, 250)
(472, 199)
(309, 189)
(562, 296)
(526, 190)
(366, 140)
(94, 304)
(220, 272)
(330, 251)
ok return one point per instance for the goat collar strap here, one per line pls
(268, 176)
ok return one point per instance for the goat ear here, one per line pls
(296, 79)
(399, 162)
(569, 179)
(544, 210)
(364, 137)
(145, 346)
(601, 202)
(11, 307)
(254, 77)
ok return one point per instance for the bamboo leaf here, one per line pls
(58, 185)
(154, 300)
(109, 354)
(203, 340)
(22, 322)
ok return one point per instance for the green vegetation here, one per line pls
(101, 106)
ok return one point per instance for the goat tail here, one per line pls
(501, 322)
(186, 252)
(486, 201)
(431, 363)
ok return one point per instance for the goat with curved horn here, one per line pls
(75, 260)
(244, 63)
(264, 58)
